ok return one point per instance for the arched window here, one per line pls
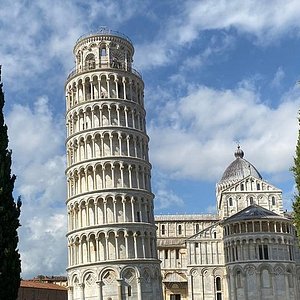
(258, 186)
(218, 284)
(197, 228)
(163, 229)
(242, 186)
(90, 62)
(230, 201)
(215, 235)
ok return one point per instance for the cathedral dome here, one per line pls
(240, 168)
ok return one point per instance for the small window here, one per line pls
(290, 252)
(175, 297)
(138, 216)
(129, 291)
(197, 228)
(163, 229)
(251, 200)
(103, 51)
(196, 245)
(266, 252)
(263, 251)
(215, 235)
(218, 288)
(273, 200)
(230, 201)
(242, 186)
(179, 229)
(177, 253)
(166, 254)
(260, 252)
(258, 186)
(238, 279)
(218, 284)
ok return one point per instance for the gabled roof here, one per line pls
(41, 285)
(253, 211)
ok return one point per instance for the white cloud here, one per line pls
(202, 126)
(165, 197)
(39, 36)
(256, 20)
(196, 131)
(36, 138)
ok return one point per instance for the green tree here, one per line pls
(10, 263)
(296, 171)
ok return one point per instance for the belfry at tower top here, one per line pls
(104, 31)
(103, 50)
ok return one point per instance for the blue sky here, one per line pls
(215, 72)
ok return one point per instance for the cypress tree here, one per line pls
(296, 171)
(10, 263)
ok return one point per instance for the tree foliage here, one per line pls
(296, 171)
(10, 264)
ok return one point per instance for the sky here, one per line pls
(216, 73)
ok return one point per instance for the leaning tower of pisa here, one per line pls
(111, 235)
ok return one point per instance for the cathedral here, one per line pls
(247, 251)
(117, 248)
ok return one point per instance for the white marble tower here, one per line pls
(111, 236)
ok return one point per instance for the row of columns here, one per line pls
(203, 286)
(107, 115)
(100, 292)
(109, 144)
(104, 86)
(111, 246)
(258, 251)
(108, 176)
(105, 211)
(258, 226)
(205, 252)
(262, 282)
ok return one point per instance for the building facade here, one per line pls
(112, 251)
(34, 290)
(248, 251)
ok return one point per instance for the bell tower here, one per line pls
(111, 232)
